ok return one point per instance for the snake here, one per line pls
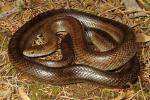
(114, 66)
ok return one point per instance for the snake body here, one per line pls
(93, 66)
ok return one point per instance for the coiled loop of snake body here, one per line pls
(113, 67)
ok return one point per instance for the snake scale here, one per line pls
(114, 65)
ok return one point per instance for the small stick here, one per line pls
(8, 13)
(132, 5)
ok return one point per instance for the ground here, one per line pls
(14, 13)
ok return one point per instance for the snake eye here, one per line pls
(32, 52)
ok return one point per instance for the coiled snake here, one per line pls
(113, 65)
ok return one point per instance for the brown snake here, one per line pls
(115, 66)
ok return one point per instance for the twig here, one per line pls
(6, 14)
(131, 5)
(141, 88)
(22, 94)
(5, 33)
(2, 44)
(70, 98)
(134, 95)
